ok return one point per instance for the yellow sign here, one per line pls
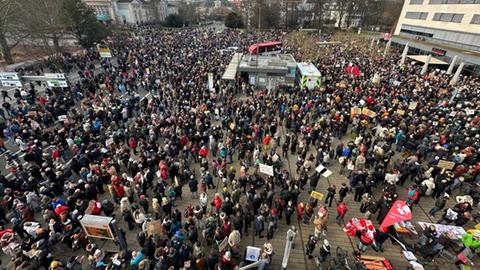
(369, 113)
(355, 111)
(105, 53)
(317, 195)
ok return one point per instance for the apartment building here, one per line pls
(454, 23)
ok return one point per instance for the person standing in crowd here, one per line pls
(331, 191)
(439, 204)
(342, 192)
(342, 210)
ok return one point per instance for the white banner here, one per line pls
(268, 170)
(210, 81)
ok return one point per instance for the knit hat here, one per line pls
(98, 255)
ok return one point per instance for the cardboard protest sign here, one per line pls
(444, 164)
(369, 112)
(154, 227)
(355, 111)
(97, 226)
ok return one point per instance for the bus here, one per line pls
(266, 48)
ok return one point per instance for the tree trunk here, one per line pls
(56, 44)
(6, 50)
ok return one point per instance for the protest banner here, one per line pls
(399, 212)
(268, 170)
(97, 226)
(447, 165)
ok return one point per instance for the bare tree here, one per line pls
(45, 21)
(342, 11)
(11, 28)
(318, 12)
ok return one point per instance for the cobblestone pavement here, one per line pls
(297, 259)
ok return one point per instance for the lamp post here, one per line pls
(288, 246)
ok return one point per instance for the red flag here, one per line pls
(355, 71)
(399, 212)
(348, 69)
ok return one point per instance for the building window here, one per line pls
(416, 15)
(448, 17)
(475, 19)
(416, 33)
(416, 2)
(447, 2)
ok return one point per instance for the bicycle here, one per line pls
(342, 258)
(339, 262)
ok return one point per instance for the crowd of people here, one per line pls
(100, 148)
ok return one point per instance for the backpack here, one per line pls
(412, 194)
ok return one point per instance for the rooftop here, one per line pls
(308, 69)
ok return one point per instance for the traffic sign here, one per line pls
(9, 76)
(57, 83)
(57, 76)
(8, 83)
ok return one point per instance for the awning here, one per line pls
(231, 70)
(103, 17)
(423, 59)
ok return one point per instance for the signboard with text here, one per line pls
(316, 195)
(438, 51)
(56, 76)
(57, 83)
(9, 76)
(323, 171)
(268, 170)
(97, 226)
(447, 165)
(8, 83)
(105, 53)
(10, 79)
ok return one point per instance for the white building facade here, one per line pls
(455, 23)
(129, 11)
(104, 9)
(135, 11)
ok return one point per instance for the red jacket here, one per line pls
(217, 202)
(97, 208)
(119, 191)
(342, 209)
(266, 140)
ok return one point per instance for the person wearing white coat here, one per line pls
(203, 201)
(429, 184)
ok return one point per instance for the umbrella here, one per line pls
(359, 225)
